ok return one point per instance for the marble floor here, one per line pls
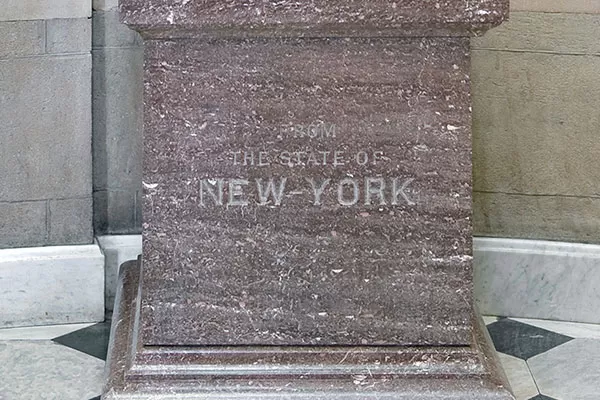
(544, 360)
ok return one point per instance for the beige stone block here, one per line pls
(69, 35)
(45, 139)
(21, 38)
(22, 10)
(567, 6)
(70, 221)
(536, 121)
(555, 33)
(22, 224)
(537, 217)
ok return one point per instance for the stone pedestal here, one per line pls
(307, 209)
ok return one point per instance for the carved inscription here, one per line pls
(347, 192)
(318, 191)
(335, 158)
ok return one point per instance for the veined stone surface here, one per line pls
(327, 18)
(51, 285)
(307, 192)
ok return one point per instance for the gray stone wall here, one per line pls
(23, 10)
(45, 123)
(117, 122)
(536, 102)
(536, 115)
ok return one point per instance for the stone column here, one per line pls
(307, 207)
(117, 87)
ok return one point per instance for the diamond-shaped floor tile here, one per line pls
(542, 397)
(522, 340)
(92, 340)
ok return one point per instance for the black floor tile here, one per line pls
(522, 340)
(92, 340)
(542, 397)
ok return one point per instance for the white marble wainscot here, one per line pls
(537, 279)
(51, 285)
(117, 249)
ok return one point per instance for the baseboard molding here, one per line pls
(51, 285)
(117, 249)
(537, 279)
(519, 278)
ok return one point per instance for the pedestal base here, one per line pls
(141, 372)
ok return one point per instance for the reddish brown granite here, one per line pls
(312, 18)
(299, 273)
(307, 212)
(300, 373)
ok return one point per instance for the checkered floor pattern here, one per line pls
(544, 360)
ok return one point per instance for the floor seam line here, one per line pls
(532, 376)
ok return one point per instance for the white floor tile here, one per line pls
(570, 371)
(488, 319)
(43, 370)
(572, 329)
(519, 377)
(39, 332)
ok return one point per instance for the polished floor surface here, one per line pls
(544, 360)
